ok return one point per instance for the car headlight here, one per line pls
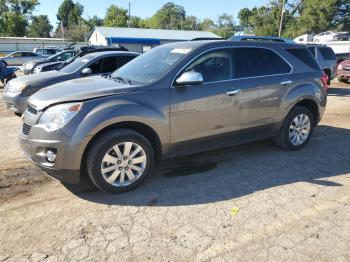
(16, 87)
(28, 66)
(340, 67)
(57, 116)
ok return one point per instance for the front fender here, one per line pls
(101, 113)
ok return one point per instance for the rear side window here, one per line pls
(313, 51)
(305, 56)
(327, 53)
(251, 62)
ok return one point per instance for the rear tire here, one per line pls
(296, 130)
(342, 80)
(111, 164)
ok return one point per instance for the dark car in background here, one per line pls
(327, 59)
(80, 53)
(177, 99)
(28, 68)
(20, 57)
(17, 91)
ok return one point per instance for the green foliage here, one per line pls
(69, 14)
(94, 21)
(14, 15)
(300, 17)
(40, 27)
(170, 16)
(116, 16)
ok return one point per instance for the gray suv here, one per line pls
(177, 99)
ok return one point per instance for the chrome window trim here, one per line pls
(231, 47)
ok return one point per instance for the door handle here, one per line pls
(233, 92)
(287, 82)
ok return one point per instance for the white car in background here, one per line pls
(326, 36)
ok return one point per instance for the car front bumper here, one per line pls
(15, 101)
(35, 141)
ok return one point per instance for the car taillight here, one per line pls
(324, 80)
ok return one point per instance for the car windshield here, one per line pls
(150, 66)
(76, 64)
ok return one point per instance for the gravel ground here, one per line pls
(293, 206)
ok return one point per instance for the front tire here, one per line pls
(120, 160)
(297, 129)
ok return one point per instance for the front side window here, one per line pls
(18, 54)
(109, 64)
(96, 66)
(254, 62)
(214, 66)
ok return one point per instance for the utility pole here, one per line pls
(129, 15)
(282, 15)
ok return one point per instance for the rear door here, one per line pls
(260, 75)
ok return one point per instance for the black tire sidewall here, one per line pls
(294, 112)
(100, 148)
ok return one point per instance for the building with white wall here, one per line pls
(140, 39)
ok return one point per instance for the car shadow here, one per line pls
(338, 91)
(236, 171)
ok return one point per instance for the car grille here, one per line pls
(26, 129)
(32, 110)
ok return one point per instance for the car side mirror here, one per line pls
(189, 78)
(60, 58)
(86, 71)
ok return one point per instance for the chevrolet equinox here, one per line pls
(177, 99)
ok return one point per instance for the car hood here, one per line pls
(78, 90)
(36, 80)
(50, 63)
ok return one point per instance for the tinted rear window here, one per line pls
(251, 62)
(305, 56)
(312, 50)
(327, 53)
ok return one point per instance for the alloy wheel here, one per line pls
(299, 129)
(123, 164)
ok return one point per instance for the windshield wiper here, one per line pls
(123, 79)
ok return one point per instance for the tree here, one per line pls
(116, 16)
(208, 25)
(191, 23)
(225, 26)
(170, 16)
(69, 14)
(14, 15)
(300, 17)
(40, 27)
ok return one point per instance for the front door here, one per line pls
(201, 115)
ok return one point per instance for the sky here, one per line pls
(146, 8)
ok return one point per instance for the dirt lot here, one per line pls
(293, 206)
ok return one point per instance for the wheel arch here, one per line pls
(148, 132)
